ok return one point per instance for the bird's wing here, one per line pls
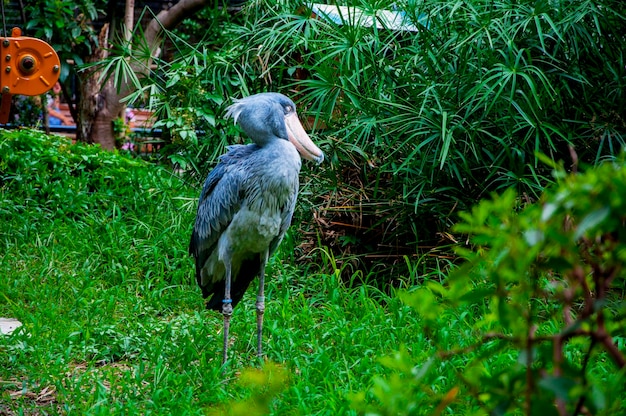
(219, 201)
(286, 215)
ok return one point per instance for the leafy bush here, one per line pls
(190, 89)
(417, 124)
(53, 189)
(49, 173)
(421, 124)
(544, 286)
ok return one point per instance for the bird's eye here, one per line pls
(288, 109)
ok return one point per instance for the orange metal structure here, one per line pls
(29, 66)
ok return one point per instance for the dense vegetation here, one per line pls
(420, 124)
(519, 104)
(94, 264)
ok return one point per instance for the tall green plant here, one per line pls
(189, 90)
(418, 124)
(425, 122)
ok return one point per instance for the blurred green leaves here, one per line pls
(544, 284)
(264, 385)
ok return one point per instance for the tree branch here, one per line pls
(168, 19)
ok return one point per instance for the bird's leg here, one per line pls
(227, 310)
(260, 304)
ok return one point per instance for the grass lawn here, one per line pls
(94, 264)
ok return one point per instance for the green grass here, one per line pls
(94, 264)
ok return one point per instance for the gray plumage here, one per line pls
(247, 202)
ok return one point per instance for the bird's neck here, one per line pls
(282, 151)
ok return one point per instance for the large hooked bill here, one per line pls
(299, 138)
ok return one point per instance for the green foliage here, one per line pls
(27, 111)
(67, 26)
(438, 117)
(49, 175)
(265, 384)
(189, 90)
(417, 124)
(544, 285)
(94, 263)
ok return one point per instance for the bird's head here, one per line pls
(272, 116)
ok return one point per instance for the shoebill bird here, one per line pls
(247, 202)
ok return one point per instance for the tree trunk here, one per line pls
(98, 107)
(129, 20)
(169, 19)
(98, 104)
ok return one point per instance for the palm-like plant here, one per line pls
(420, 123)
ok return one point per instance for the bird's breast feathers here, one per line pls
(252, 231)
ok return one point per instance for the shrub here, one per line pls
(417, 124)
(50, 175)
(422, 124)
(53, 190)
(538, 305)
